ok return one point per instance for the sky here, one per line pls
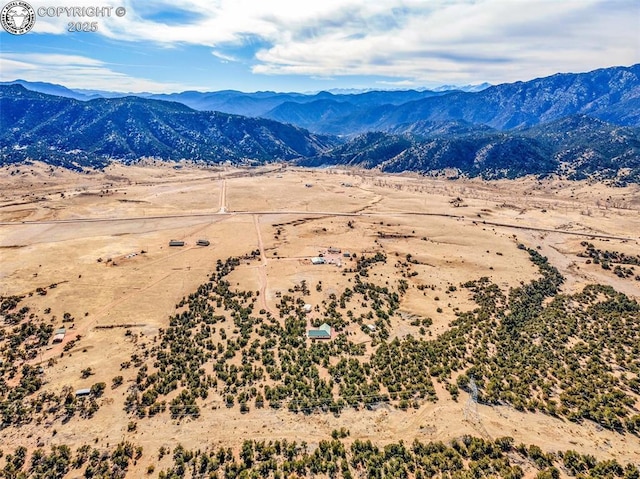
(285, 45)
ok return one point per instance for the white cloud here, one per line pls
(72, 71)
(398, 83)
(417, 40)
(223, 57)
(488, 40)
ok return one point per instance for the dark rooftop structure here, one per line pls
(203, 242)
(176, 243)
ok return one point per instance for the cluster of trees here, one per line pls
(532, 347)
(88, 461)
(21, 340)
(22, 406)
(18, 345)
(466, 457)
(22, 343)
(217, 324)
(177, 361)
(607, 258)
(569, 355)
(540, 350)
(9, 309)
(363, 263)
(24, 339)
(366, 304)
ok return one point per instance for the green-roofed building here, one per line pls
(323, 332)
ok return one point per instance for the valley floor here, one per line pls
(90, 252)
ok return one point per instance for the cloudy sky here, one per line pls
(309, 45)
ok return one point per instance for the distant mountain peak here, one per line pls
(468, 88)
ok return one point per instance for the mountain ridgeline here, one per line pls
(611, 95)
(584, 125)
(575, 147)
(71, 132)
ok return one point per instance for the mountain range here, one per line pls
(72, 132)
(258, 104)
(577, 147)
(578, 125)
(611, 94)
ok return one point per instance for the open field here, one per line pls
(94, 247)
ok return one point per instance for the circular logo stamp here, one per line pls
(17, 17)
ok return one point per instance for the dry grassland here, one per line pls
(79, 231)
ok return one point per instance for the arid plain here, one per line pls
(102, 238)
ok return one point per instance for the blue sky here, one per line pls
(281, 45)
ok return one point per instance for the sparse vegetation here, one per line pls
(467, 456)
(280, 365)
(88, 461)
(410, 326)
(622, 265)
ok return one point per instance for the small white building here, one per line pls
(318, 260)
(307, 308)
(58, 335)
